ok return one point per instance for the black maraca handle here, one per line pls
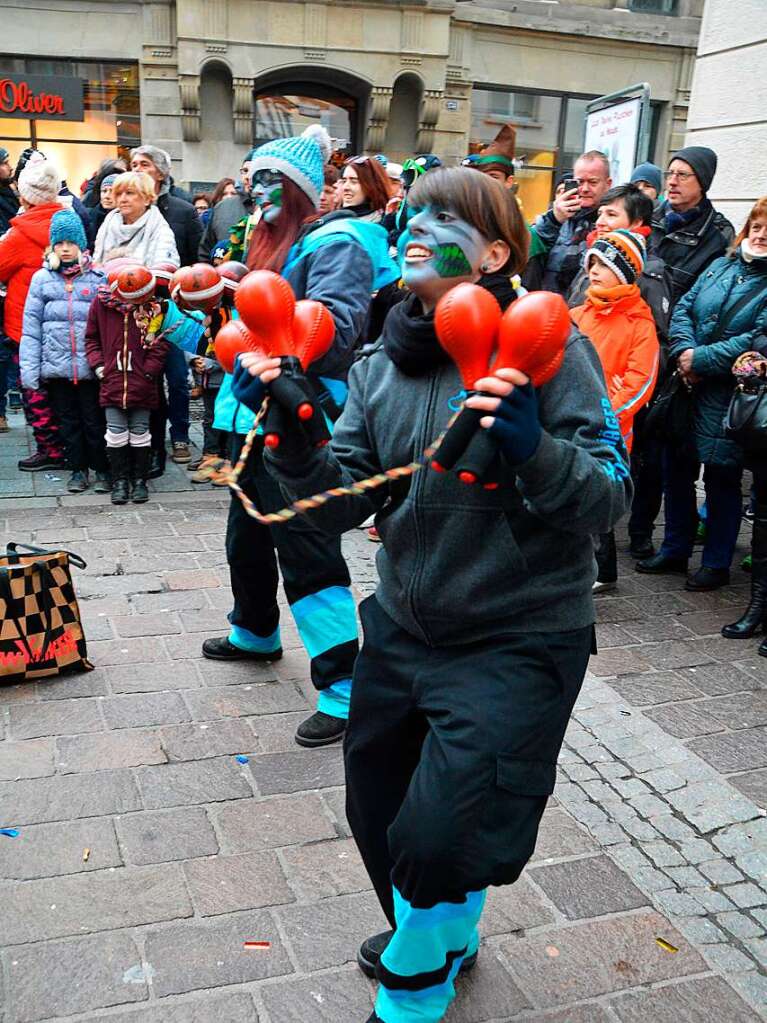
(287, 389)
(315, 426)
(480, 455)
(457, 439)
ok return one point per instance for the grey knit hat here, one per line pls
(159, 158)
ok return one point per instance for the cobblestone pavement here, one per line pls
(658, 829)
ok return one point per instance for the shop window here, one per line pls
(111, 125)
(281, 116)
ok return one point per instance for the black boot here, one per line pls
(141, 461)
(119, 463)
(756, 612)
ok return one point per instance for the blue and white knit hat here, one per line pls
(301, 158)
(66, 226)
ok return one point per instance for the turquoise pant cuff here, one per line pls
(247, 640)
(335, 699)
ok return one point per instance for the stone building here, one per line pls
(728, 109)
(206, 79)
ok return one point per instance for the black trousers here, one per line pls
(214, 442)
(647, 475)
(81, 422)
(451, 755)
(314, 575)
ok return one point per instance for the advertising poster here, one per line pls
(614, 131)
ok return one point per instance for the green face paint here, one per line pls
(450, 261)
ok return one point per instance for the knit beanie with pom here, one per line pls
(301, 158)
(621, 251)
(39, 182)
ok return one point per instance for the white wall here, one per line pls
(728, 106)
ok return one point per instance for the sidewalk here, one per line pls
(646, 899)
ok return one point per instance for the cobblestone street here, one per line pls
(646, 899)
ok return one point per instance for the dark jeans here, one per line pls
(451, 755)
(176, 407)
(81, 423)
(724, 509)
(214, 442)
(9, 369)
(314, 575)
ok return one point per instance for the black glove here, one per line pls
(516, 426)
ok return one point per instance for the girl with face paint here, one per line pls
(340, 263)
(477, 638)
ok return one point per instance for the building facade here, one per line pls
(728, 109)
(206, 79)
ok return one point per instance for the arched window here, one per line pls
(404, 112)
(216, 118)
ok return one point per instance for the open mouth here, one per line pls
(415, 253)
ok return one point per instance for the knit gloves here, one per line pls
(246, 388)
(516, 427)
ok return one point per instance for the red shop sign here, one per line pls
(41, 97)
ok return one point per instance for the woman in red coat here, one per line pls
(125, 348)
(21, 256)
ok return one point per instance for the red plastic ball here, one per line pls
(313, 331)
(232, 339)
(232, 273)
(135, 284)
(114, 266)
(533, 334)
(197, 287)
(266, 303)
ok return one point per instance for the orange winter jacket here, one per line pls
(621, 327)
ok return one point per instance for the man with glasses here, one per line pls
(687, 232)
(566, 226)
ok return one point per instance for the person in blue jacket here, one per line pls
(340, 261)
(722, 316)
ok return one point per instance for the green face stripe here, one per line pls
(450, 261)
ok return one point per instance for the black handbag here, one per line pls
(671, 417)
(746, 418)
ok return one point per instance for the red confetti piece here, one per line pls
(257, 944)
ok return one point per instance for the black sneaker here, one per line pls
(320, 730)
(641, 548)
(373, 948)
(78, 482)
(38, 462)
(220, 649)
(103, 484)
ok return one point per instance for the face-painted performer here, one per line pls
(340, 262)
(477, 638)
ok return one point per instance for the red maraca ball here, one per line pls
(313, 331)
(232, 339)
(232, 272)
(266, 303)
(134, 284)
(533, 334)
(466, 320)
(197, 287)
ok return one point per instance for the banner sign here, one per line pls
(615, 131)
(41, 97)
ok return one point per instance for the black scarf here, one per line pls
(409, 337)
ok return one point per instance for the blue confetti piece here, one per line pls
(242, 759)
(10, 832)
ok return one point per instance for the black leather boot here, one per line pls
(142, 458)
(756, 612)
(119, 464)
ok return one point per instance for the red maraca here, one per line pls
(533, 334)
(266, 303)
(466, 320)
(233, 339)
(197, 287)
(313, 331)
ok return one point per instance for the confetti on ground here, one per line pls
(51, 477)
(257, 944)
(86, 855)
(552, 952)
(242, 759)
(10, 832)
(666, 945)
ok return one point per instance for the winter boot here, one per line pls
(142, 458)
(119, 463)
(756, 612)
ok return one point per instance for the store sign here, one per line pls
(41, 97)
(614, 131)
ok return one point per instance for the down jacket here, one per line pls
(21, 256)
(53, 335)
(131, 368)
(694, 325)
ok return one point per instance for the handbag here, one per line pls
(746, 418)
(40, 629)
(671, 417)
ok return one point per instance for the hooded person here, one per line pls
(21, 256)
(340, 261)
(687, 232)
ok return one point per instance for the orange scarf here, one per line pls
(602, 298)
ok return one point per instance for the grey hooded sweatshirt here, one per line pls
(459, 563)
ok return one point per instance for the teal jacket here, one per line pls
(694, 325)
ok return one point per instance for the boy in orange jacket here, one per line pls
(622, 329)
